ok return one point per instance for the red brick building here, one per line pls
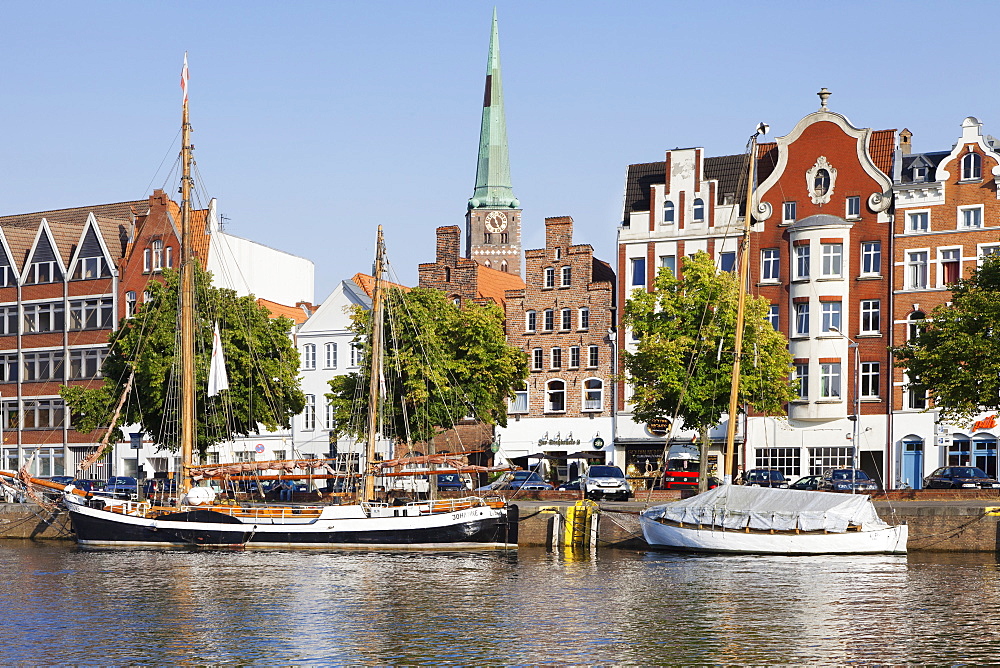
(461, 278)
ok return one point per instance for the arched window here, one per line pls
(530, 321)
(503, 266)
(668, 212)
(550, 277)
(157, 255)
(567, 273)
(915, 325)
(593, 394)
(447, 274)
(309, 356)
(972, 166)
(330, 351)
(456, 300)
(487, 264)
(555, 396)
(699, 210)
(584, 318)
(504, 238)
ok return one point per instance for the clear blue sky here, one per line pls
(316, 121)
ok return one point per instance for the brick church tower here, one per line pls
(493, 221)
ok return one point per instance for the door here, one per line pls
(871, 463)
(913, 463)
(984, 454)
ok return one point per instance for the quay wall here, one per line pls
(26, 520)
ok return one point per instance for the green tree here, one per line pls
(261, 362)
(676, 367)
(956, 355)
(440, 363)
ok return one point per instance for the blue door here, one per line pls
(913, 463)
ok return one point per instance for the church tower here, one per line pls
(493, 221)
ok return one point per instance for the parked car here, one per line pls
(450, 482)
(528, 480)
(810, 482)
(765, 478)
(571, 486)
(61, 479)
(122, 487)
(159, 490)
(87, 485)
(960, 477)
(845, 480)
(603, 481)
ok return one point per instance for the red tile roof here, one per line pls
(367, 283)
(882, 147)
(493, 284)
(297, 314)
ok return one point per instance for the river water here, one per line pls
(63, 605)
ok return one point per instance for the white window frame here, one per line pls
(584, 319)
(832, 316)
(592, 398)
(668, 213)
(593, 356)
(309, 413)
(530, 321)
(802, 261)
(970, 217)
(637, 262)
(832, 265)
(871, 316)
(356, 353)
(565, 276)
(519, 403)
(550, 277)
(555, 358)
(917, 269)
(770, 265)
(802, 319)
(565, 319)
(871, 377)
(157, 254)
(985, 250)
(729, 256)
(548, 320)
(802, 380)
(830, 380)
(130, 302)
(918, 220)
(852, 207)
(670, 262)
(537, 359)
(774, 316)
(330, 355)
(309, 356)
(574, 357)
(972, 166)
(788, 212)
(954, 256)
(549, 390)
(871, 254)
(698, 210)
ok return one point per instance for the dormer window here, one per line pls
(919, 174)
(972, 166)
(42, 272)
(91, 267)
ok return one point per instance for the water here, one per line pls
(62, 605)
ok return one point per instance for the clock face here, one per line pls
(496, 221)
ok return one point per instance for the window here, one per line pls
(147, 259)
(157, 255)
(919, 174)
(821, 182)
(44, 317)
(447, 274)
(519, 404)
(8, 319)
(831, 316)
(970, 217)
(43, 366)
(584, 318)
(555, 358)
(6, 276)
(574, 357)
(329, 422)
(774, 315)
(330, 355)
(565, 275)
(870, 316)
(786, 460)
(972, 166)
(309, 356)
(593, 394)
(147, 296)
(669, 262)
(130, 304)
(169, 258)
(42, 272)
(802, 261)
(668, 212)
(918, 221)
(802, 319)
(770, 264)
(530, 321)
(638, 271)
(91, 313)
(548, 320)
(487, 238)
(916, 395)
(566, 319)
(9, 368)
(951, 263)
(699, 210)
(44, 414)
(915, 325)
(503, 266)
(916, 270)
(833, 257)
(356, 354)
(788, 212)
(555, 396)
(91, 267)
(309, 414)
(854, 207)
(821, 459)
(802, 380)
(727, 261)
(550, 277)
(86, 363)
(593, 356)
(870, 379)
(988, 250)
(829, 380)
(871, 257)
(536, 359)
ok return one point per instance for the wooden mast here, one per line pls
(375, 370)
(189, 424)
(744, 259)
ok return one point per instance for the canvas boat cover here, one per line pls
(737, 507)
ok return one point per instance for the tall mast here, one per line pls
(188, 414)
(376, 369)
(744, 258)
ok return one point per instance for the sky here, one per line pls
(314, 122)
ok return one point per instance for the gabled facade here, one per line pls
(562, 319)
(947, 219)
(464, 279)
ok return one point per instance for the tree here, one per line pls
(441, 363)
(677, 369)
(955, 355)
(261, 362)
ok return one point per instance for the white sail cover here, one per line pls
(737, 507)
(218, 379)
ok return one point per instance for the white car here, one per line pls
(604, 482)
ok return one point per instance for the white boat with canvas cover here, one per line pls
(761, 520)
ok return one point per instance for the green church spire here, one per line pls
(493, 187)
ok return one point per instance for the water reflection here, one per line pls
(62, 605)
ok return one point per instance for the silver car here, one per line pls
(605, 481)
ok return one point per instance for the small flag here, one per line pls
(185, 77)
(218, 380)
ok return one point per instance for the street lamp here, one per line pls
(857, 404)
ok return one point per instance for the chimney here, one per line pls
(905, 141)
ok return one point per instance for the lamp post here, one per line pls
(857, 404)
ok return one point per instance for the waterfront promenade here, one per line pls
(939, 521)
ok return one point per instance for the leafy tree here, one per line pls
(676, 367)
(261, 362)
(956, 355)
(441, 363)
